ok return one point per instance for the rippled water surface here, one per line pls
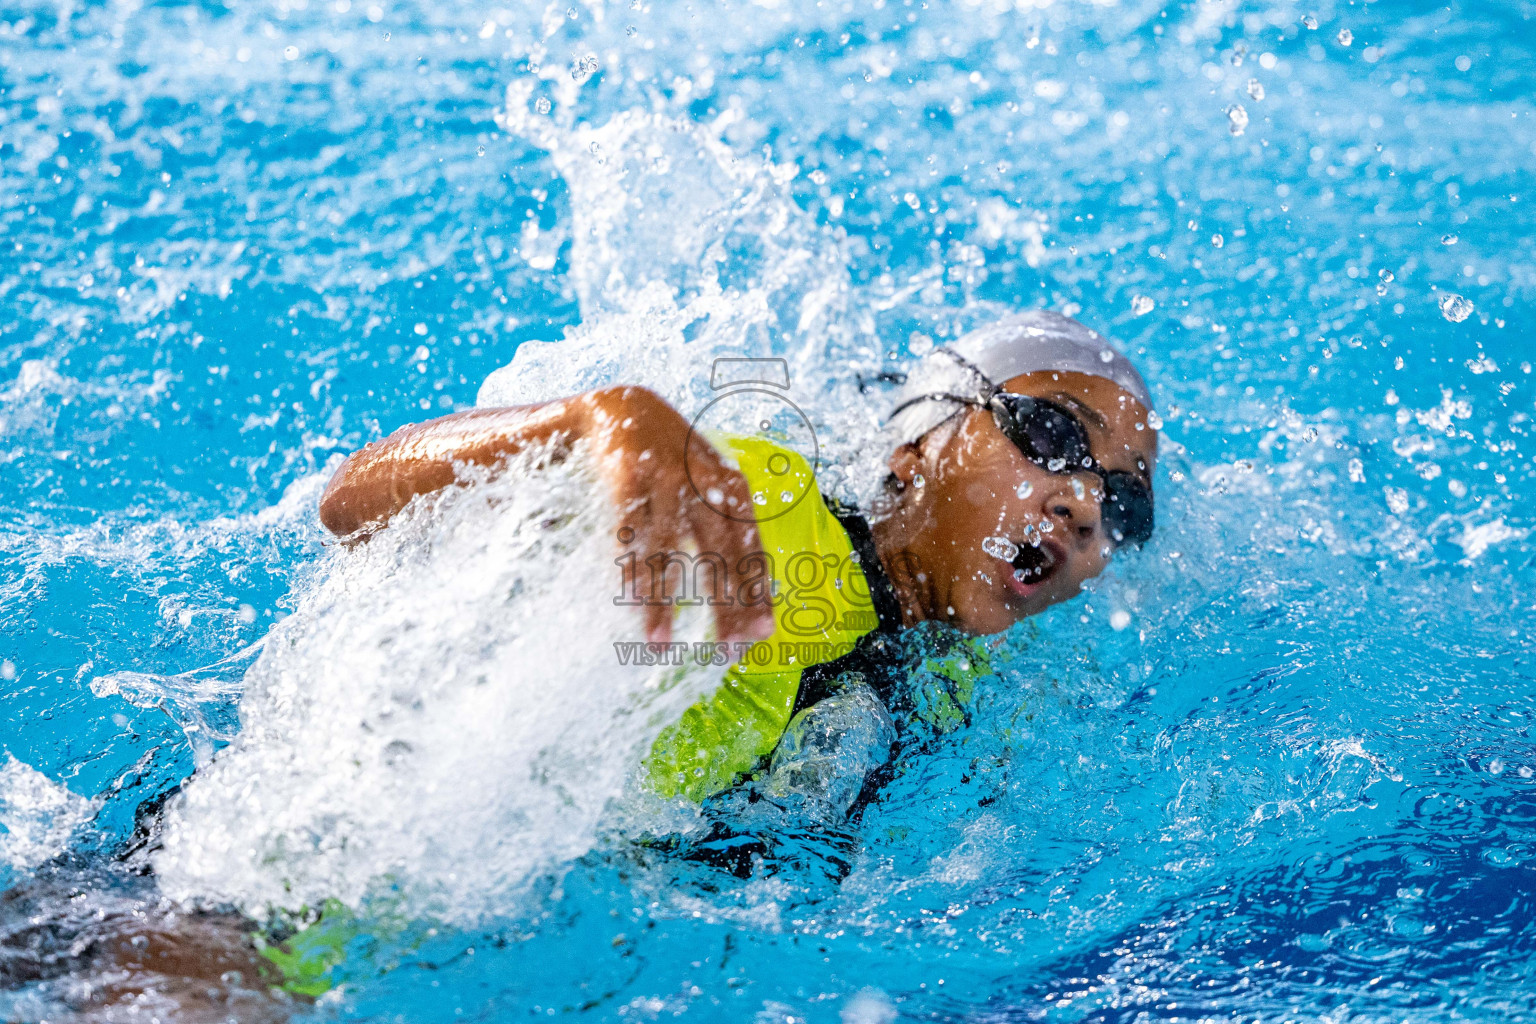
(1276, 766)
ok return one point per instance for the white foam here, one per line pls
(444, 716)
(38, 815)
(684, 250)
(1474, 540)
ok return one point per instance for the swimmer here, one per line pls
(1022, 462)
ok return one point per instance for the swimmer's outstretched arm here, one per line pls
(637, 442)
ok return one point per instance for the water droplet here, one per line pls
(1309, 20)
(1078, 490)
(1119, 619)
(1449, 239)
(715, 496)
(1218, 241)
(786, 497)
(1154, 421)
(1025, 489)
(759, 498)
(290, 53)
(1495, 766)
(918, 481)
(542, 105)
(1046, 526)
(1000, 547)
(1237, 119)
(479, 151)
(1106, 355)
(1056, 465)
(1141, 305)
(1455, 308)
(1345, 37)
(1255, 89)
(1386, 276)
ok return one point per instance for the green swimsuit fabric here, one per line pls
(821, 606)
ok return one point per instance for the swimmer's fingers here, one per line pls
(648, 534)
(660, 483)
(726, 533)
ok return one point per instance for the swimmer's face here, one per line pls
(980, 496)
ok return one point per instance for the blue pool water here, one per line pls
(1277, 766)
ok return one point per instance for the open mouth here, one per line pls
(1031, 563)
(1034, 565)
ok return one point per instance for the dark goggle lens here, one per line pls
(1127, 508)
(1044, 431)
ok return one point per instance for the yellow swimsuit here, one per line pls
(821, 607)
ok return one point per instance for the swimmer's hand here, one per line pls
(637, 442)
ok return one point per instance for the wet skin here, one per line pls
(950, 497)
(637, 444)
(956, 496)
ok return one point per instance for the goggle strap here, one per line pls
(988, 389)
(937, 396)
(984, 393)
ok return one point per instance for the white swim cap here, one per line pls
(976, 365)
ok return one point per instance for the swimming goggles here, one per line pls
(1054, 438)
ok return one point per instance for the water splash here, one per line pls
(422, 724)
(1455, 308)
(1000, 547)
(1237, 119)
(38, 816)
